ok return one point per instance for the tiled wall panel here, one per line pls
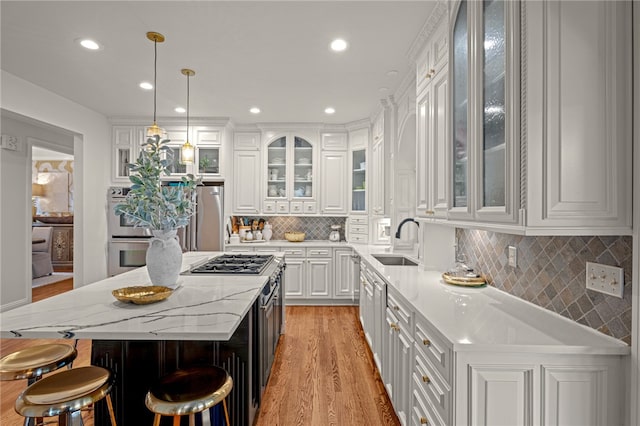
(315, 228)
(551, 273)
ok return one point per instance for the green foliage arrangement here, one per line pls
(151, 205)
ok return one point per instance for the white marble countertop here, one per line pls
(201, 308)
(485, 318)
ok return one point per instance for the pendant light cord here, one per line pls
(188, 76)
(155, 68)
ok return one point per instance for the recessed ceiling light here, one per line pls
(329, 110)
(254, 110)
(392, 73)
(338, 45)
(146, 85)
(180, 110)
(87, 43)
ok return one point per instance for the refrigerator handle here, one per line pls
(217, 201)
(193, 226)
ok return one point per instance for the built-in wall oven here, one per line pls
(127, 244)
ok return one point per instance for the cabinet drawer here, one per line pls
(358, 220)
(297, 252)
(359, 229)
(434, 349)
(422, 412)
(282, 206)
(400, 311)
(432, 385)
(269, 206)
(318, 252)
(358, 238)
(309, 207)
(296, 207)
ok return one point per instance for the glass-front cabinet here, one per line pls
(358, 180)
(290, 175)
(485, 111)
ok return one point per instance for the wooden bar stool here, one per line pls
(189, 391)
(66, 393)
(32, 362)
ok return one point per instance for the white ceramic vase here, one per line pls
(267, 232)
(164, 258)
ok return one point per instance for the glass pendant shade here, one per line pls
(187, 152)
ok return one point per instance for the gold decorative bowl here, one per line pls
(143, 294)
(294, 237)
(452, 279)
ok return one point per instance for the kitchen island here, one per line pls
(207, 320)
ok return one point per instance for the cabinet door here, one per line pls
(403, 376)
(126, 144)
(501, 396)
(343, 285)
(246, 177)
(379, 303)
(359, 180)
(389, 362)
(295, 278)
(367, 312)
(319, 278)
(377, 177)
(276, 158)
(334, 178)
(303, 169)
(439, 143)
(361, 300)
(422, 153)
(578, 125)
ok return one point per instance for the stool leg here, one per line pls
(226, 412)
(176, 420)
(112, 415)
(192, 420)
(156, 420)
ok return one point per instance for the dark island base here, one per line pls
(138, 363)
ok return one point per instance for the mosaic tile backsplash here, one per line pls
(551, 273)
(315, 228)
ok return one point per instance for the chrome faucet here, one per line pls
(409, 219)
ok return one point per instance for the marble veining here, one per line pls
(201, 308)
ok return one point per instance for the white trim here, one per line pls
(634, 403)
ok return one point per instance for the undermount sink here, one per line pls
(389, 260)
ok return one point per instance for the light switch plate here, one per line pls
(513, 256)
(605, 279)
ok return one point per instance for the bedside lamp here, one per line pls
(37, 190)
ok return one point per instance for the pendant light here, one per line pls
(156, 38)
(187, 151)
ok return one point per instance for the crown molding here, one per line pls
(437, 15)
(169, 121)
(364, 123)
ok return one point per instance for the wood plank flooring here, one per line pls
(323, 372)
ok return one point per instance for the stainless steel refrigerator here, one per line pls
(205, 231)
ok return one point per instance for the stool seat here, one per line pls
(189, 391)
(34, 361)
(65, 392)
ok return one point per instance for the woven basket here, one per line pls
(294, 237)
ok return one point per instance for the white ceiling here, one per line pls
(274, 55)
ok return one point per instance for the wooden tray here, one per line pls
(464, 281)
(142, 295)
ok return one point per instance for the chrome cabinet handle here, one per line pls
(426, 342)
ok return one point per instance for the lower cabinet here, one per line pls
(343, 274)
(397, 364)
(375, 293)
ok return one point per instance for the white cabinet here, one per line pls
(309, 274)
(357, 229)
(290, 174)
(577, 69)
(366, 306)
(295, 274)
(246, 174)
(380, 155)
(246, 177)
(344, 274)
(375, 292)
(126, 141)
(432, 154)
(358, 155)
(319, 278)
(333, 172)
(485, 80)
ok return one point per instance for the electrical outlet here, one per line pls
(605, 279)
(513, 256)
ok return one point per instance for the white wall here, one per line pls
(92, 154)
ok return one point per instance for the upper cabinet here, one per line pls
(485, 82)
(358, 149)
(380, 154)
(432, 116)
(578, 127)
(128, 140)
(246, 173)
(333, 174)
(290, 174)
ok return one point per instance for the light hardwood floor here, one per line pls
(323, 372)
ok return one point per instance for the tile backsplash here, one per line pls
(551, 273)
(315, 228)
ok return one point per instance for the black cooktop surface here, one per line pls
(234, 264)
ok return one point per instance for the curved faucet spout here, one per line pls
(409, 219)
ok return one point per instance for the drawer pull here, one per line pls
(426, 342)
(423, 421)
(396, 308)
(426, 379)
(394, 326)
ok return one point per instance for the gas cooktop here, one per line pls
(234, 264)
